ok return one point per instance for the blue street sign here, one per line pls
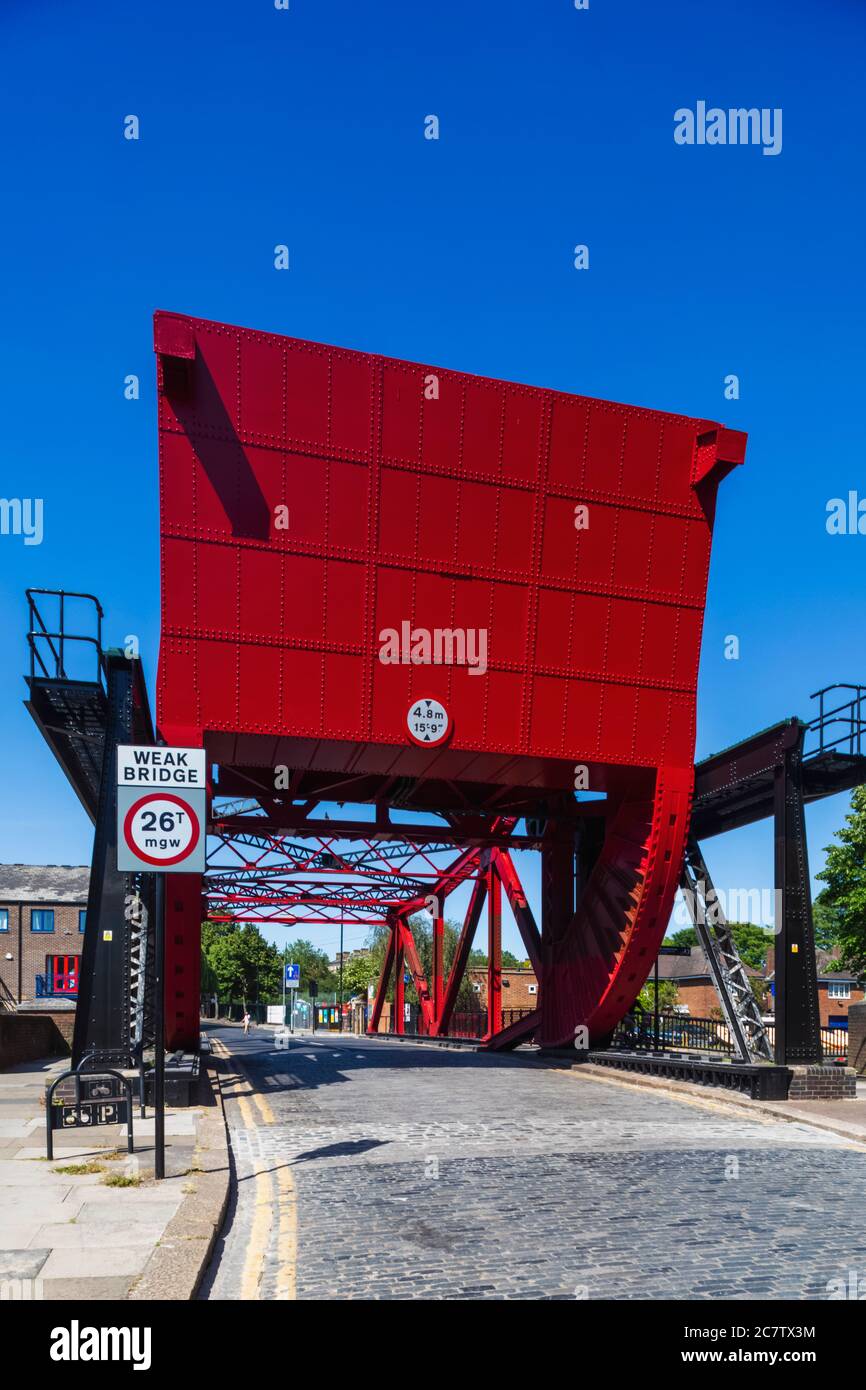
(293, 976)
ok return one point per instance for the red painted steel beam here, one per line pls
(398, 1023)
(464, 944)
(494, 952)
(382, 989)
(438, 962)
(517, 901)
(366, 830)
(522, 1030)
(419, 979)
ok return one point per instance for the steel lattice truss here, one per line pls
(256, 874)
(342, 872)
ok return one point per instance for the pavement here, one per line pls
(846, 1118)
(67, 1233)
(370, 1169)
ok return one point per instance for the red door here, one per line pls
(64, 974)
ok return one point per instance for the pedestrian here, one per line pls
(246, 1020)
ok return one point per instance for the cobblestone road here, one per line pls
(391, 1170)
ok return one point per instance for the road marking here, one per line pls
(263, 1197)
(284, 1220)
(287, 1235)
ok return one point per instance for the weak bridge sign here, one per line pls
(161, 809)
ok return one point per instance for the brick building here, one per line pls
(837, 988)
(519, 987)
(42, 915)
(695, 989)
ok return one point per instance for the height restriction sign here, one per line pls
(161, 795)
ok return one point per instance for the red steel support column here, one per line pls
(438, 962)
(494, 952)
(422, 989)
(464, 944)
(185, 910)
(398, 1023)
(382, 989)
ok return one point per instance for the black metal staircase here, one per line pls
(85, 701)
(729, 976)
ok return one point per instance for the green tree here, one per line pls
(241, 962)
(845, 876)
(668, 996)
(686, 936)
(827, 922)
(358, 972)
(751, 941)
(422, 931)
(314, 966)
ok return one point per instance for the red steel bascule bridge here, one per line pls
(313, 500)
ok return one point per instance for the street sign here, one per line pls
(103, 1098)
(428, 722)
(161, 810)
(675, 950)
(145, 765)
(293, 976)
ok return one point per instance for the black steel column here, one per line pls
(798, 1034)
(159, 1030)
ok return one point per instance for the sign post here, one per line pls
(159, 1030)
(161, 828)
(291, 982)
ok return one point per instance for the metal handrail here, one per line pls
(851, 714)
(41, 635)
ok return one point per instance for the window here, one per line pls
(532, 989)
(82, 918)
(42, 919)
(837, 990)
(4, 919)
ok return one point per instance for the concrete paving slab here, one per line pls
(22, 1264)
(68, 1153)
(93, 1215)
(40, 1209)
(18, 1173)
(160, 1194)
(98, 1262)
(17, 1128)
(18, 1235)
(183, 1122)
(100, 1234)
(107, 1290)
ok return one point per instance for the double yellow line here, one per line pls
(270, 1209)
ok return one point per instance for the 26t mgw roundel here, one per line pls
(161, 829)
(428, 722)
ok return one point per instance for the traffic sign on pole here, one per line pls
(161, 796)
(293, 976)
(161, 828)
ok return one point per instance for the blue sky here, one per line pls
(261, 126)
